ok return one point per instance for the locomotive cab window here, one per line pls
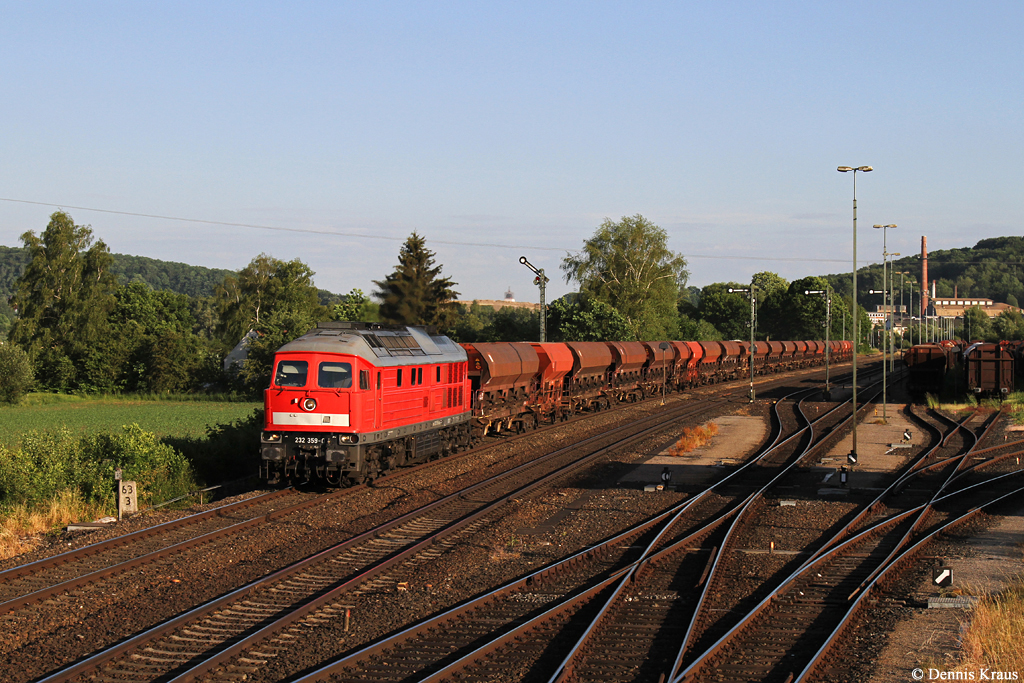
(333, 375)
(291, 373)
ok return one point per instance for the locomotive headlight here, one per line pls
(348, 438)
(309, 404)
(271, 437)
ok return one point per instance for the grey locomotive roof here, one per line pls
(380, 345)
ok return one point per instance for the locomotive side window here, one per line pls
(378, 380)
(419, 376)
(399, 377)
(334, 375)
(291, 373)
(438, 374)
(364, 379)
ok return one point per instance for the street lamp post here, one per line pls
(884, 343)
(828, 328)
(885, 279)
(892, 314)
(753, 301)
(541, 280)
(852, 457)
(903, 325)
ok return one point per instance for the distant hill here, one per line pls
(168, 275)
(992, 268)
(195, 281)
(162, 275)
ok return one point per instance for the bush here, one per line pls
(228, 451)
(15, 373)
(45, 465)
(160, 471)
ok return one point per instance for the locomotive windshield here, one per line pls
(291, 373)
(335, 375)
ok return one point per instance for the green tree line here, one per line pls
(80, 319)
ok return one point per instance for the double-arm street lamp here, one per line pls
(903, 326)
(541, 280)
(892, 312)
(885, 279)
(885, 343)
(852, 457)
(752, 291)
(828, 328)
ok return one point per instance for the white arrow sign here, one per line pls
(943, 575)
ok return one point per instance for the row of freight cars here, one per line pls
(518, 385)
(988, 369)
(350, 401)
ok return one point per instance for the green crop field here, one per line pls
(84, 415)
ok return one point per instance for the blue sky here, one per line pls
(521, 124)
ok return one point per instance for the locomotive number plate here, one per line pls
(312, 440)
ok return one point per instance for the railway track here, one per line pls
(214, 631)
(776, 639)
(648, 606)
(87, 565)
(423, 648)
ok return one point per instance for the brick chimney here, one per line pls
(924, 276)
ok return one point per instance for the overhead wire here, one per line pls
(488, 245)
(357, 235)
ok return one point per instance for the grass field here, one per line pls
(88, 415)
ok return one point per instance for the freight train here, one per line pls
(988, 369)
(927, 365)
(349, 401)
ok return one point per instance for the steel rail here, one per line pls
(914, 516)
(820, 656)
(651, 555)
(912, 470)
(490, 646)
(658, 423)
(153, 556)
(695, 667)
(94, 548)
(503, 638)
(921, 516)
(719, 561)
(681, 509)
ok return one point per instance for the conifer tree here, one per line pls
(415, 293)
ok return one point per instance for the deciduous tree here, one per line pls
(267, 285)
(586, 319)
(356, 307)
(1009, 325)
(15, 373)
(728, 312)
(63, 299)
(628, 265)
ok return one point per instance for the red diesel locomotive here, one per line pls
(349, 401)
